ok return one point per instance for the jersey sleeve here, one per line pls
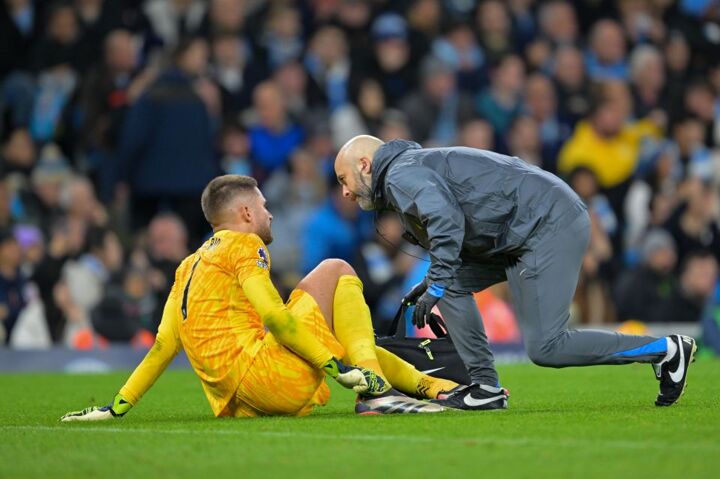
(250, 258)
(286, 328)
(166, 347)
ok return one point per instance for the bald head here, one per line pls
(353, 167)
(356, 148)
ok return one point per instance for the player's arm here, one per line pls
(293, 334)
(167, 345)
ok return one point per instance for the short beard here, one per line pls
(364, 194)
(265, 234)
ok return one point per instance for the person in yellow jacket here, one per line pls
(606, 145)
(255, 355)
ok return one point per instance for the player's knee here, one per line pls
(337, 266)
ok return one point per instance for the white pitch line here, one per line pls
(540, 442)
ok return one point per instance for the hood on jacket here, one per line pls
(382, 159)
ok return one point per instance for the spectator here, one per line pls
(382, 265)
(558, 23)
(328, 65)
(392, 62)
(41, 205)
(20, 22)
(435, 112)
(171, 20)
(235, 150)
(281, 38)
(645, 292)
(166, 153)
(292, 196)
(523, 140)
(494, 28)
(573, 87)
(12, 284)
(105, 96)
(365, 118)
(604, 135)
(126, 308)
(694, 224)
(167, 247)
(541, 105)
(18, 154)
(606, 58)
(84, 279)
(698, 278)
(225, 18)
(334, 230)
(66, 241)
(459, 49)
(702, 101)
(647, 73)
(274, 136)
(501, 102)
(477, 133)
(234, 71)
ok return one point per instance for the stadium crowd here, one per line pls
(114, 114)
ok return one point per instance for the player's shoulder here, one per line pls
(233, 247)
(234, 242)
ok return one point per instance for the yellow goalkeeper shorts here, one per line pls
(280, 382)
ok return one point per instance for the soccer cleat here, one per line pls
(393, 402)
(672, 372)
(476, 397)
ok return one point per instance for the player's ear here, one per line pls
(245, 213)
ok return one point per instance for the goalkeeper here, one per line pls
(254, 355)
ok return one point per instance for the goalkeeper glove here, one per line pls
(362, 381)
(118, 408)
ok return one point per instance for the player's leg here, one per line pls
(406, 378)
(338, 292)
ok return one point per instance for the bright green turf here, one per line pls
(586, 422)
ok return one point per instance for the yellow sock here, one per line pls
(353, 325)
(409, 380)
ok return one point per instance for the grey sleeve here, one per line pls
(421, 192)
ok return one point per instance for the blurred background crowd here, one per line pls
(114, 114)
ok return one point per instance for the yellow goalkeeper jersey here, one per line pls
(216, 311)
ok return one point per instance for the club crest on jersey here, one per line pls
(263, 261)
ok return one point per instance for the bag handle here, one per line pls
(436, 323)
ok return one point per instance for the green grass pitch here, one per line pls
(573, 423)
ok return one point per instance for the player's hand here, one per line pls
(348, 376)
(411, 297)
(425, 303)
(118, 408)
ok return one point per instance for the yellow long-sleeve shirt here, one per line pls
(217, 310)
(613, 160)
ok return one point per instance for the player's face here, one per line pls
(262, 219)
(357, 187)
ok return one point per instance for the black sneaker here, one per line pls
(476, 397)
(672, 373)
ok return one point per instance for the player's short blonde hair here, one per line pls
(218, 194)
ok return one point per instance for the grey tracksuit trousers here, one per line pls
(542, 282)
